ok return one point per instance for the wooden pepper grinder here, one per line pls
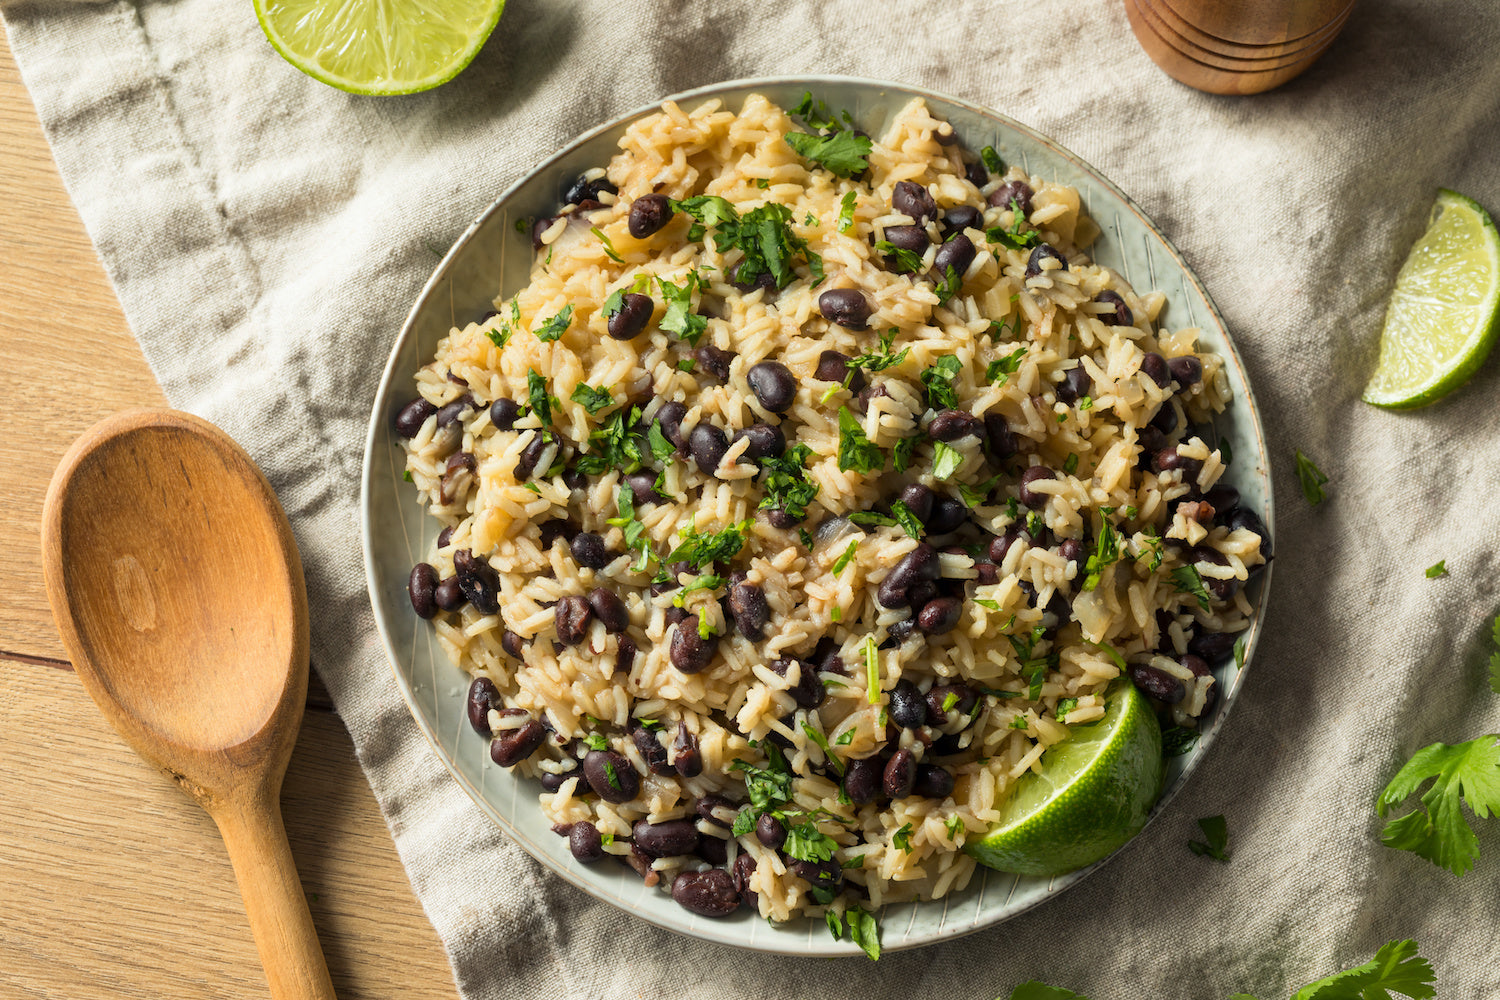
(1236, 46)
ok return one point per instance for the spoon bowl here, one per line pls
(178, 593)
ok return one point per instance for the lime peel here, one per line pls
(1442, 318)
(379, 46)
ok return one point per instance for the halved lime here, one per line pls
(379, 46)
(1093, 793)
(1441, 319)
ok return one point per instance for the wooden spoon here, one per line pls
(177, 588)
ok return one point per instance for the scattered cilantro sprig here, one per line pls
(1188, 581)
(784, 482)
(1465, 773)
(857, 453)
(764, 234)
(554, 327)
(1311, 478)
(939, 380)
(1215, 843)
(843, 154)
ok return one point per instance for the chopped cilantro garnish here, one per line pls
(901, 839)
(1188, 581)
(816, 115)
(679, 318)
(872, 670)
(1035, 524)
(1086, 403)
(805, 842)
(843, 561)
(1239, 656)
(843, 154)
(864, 931)
(845, 738)
(1177, 740)
(1465, 772)
(822, 742)
(1106, 553)
(703, 548)
(764, 234)
(809, 220)
(768, 787)
(1494, 657)
(785, 483)
(906, 260)
(704, 582)
(661, 448)
(1226, 452)
(939, 380)
(946, 460)
(901, 454)
(1070, 464)
(973, 496)
(538, 400)
(991, 160)
(985, 602)
(878, 360)
(406, 475)
(1437, 569)
(948, 284)
(635, 532)
(533, 487)
(592, 398)
(596, 741)
(901, 515)
(1311, 478)
(955, 826)
(1065, 706)
(1014, 238)
(856, 452)
(611, 776)
(858, 861)
(846, 212)
(555, 327)
(1215, 841)
(1003, 367)
(1020, 722)
(609, 248)
(1111, 652)
(614, 303)
(616, 444)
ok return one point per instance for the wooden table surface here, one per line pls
(112, 882)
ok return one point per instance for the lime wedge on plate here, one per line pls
(379, 46)
(1093, 793)
(1441, 319)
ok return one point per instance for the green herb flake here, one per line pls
(835, 923)
(611, 776)
(843, 561)
(844, 738)
(1064, 707)
(1070, 464)
(872, 670)
(877, 360)
(822, 742)
(702, 548)
(1020, 722)
(784, 482)
(555, 327)
(901, 839)
(768, 787)
(1215, 841)
(850, 864)
(991, 160)
(1436, 830)
(985, 602)
(596, 741)
(1106, 553)
(805, 842)
(1312, 479)
(1086, 403)
(533, 487)
(864, 931)
(614, 303)
(906, 260)
(538, 401)
(618, 443)
(1495, 656)
(1188, 581)
(1177, 740)
(1014, 237)
(939, 380)
(856, 452)
(763, 234)
(904, 451)
(1226, 452)
(843, 154)
(679, 318)
(997, 371)
(661, 449)
(846, 212)
(609, 248)
(592, 398)
(1437, 569)
(946, 460)
(955, 826)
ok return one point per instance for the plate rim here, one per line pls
(1244, 394)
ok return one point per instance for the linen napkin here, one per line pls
(267, 235)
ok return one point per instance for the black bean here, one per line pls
(1017, 191)
(706, 806)
(648, 214)
(1168, 459)
(1212, 646)
(782, 519)
(862, 780)
(610, 609)
(810, 691)
(1036, 473)
(1071, 549)
(585, 842)
(976, 174)
(610, 775)
(454, 410)
(932, 782)
(940, 616)
(582, 189)
(686, 757)
(531, 454)
(669, 419)
(908, 707)
(421, 587)
(478, 580)
(1000, 440)
(1121, 316)
(868, 393)
(740, 873)
(964, 698)
(640, 862)
(572, 615)
(913, 238)
(1041, 252)
(918, 564)
(1186, 370)
(554, 529)
(707, 444)
(1001, 544)
(1243, 517)
(956, 254)
(669, 839)
(957, 218)
(503, 414)
(449, 595)
(773, 384)
(766, 441)
(652, 751)
(412, 416)
(483, 696)
(1196, 664)
(512, 643)
(921, 592)
(551, 782)
(709, 893)
(911, 198)
(1156, 683)
(900, 774)
(1156, 368)
(1165, 417)
(714, 361)
(445, 537)
(950, 425)
(825, 657)
(1223, 498)
(770, 831)
(642, 485)
(948, 514)
(989, 574)
(1075, 385)
(540, 226)
(690, 652)
(752, 613)
(588, 550)
(713, 850)
(511, 746)
(458, 473)
(624, 654)
(918, 499)
(834, 367)
(1222, 590)
(631, 317)
(847, 307)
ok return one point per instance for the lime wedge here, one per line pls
(1441, 319)
(1093, 793)
(379, 46)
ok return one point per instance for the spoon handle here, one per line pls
(284, 933)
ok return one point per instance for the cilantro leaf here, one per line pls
(785, 482)
(872, 669)
(844, 154)
(614, 303)
(1177, 740)
(1311, 478)
(661, 448)
(1216, 834)
(856, 451)
(764, 234)
(901, 839)
(616, 444)
(1188, 581)
(946, 460)
(1106, 552)
(991, 160)
(635, 532)
(906, 260)
(907, 519)
(1002, 368)
(679, 317)
(768, 787)
(805, 842)
(815, 113)
(1437, 569)
(1035, 990)
(609, 248)
(822, 742)
(538, 400)
(843, 561)
(878, 360)
(1014, 238)
(901, 454)
(939, 380)
(556, 326)
(703, 548)
(864, 931)
(1396, 968)
(1465, 772)
(592, 398)
(846, 212)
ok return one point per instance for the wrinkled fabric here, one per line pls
(267, 236)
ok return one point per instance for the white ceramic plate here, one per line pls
(493, 258)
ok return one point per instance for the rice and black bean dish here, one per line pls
(814, 486)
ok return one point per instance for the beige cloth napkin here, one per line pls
(267, 235)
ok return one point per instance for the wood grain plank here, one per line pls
(115, 879)
(67, 357)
